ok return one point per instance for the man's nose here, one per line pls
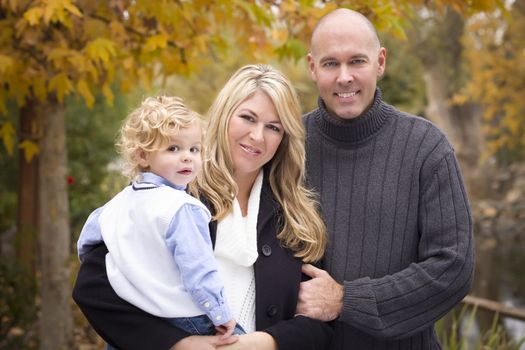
(345, 75)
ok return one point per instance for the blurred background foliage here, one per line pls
(460, 64)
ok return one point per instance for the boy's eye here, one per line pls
(195, 150)
(173, 148)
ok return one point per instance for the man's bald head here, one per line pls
(344, 17)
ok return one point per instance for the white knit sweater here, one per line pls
(236, 252)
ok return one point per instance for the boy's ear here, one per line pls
(142, 158)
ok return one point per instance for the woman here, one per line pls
(265, 225)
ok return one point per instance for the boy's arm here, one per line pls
(90, 235)
(189, 242)
(118, 322)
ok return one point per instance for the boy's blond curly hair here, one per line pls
(150, 127)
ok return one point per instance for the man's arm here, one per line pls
(404, 303)
(118, 322)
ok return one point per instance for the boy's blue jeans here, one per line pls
(196, 325)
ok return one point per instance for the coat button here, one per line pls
(271, 310)
(266, 250)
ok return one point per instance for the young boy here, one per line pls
(160, 253)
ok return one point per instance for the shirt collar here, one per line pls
(148, 180)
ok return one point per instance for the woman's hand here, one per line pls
(252, 341)
(203, 342)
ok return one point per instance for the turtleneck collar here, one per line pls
(356, 129)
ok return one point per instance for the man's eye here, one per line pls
(330, 64)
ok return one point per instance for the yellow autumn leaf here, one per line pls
(6, 64)
(39, 88)
(72, 8)
(49, 10)
(33, 15)
(156, 42)
(61, 84)
(3, 97)
(30, 149)
(7, 132)
(106, 90)
(101, 49)
(459, 99)
(84, 90)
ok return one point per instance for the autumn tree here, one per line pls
(52, 49)
(495, 55)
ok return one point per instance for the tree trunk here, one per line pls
(439, 48)
(54, 237)
(461, 124)
(27, 212)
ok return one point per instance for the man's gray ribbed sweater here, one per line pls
(400, 231)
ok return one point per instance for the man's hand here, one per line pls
(321, 297)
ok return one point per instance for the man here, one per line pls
(401, 248)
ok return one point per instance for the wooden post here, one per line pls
(495, 306)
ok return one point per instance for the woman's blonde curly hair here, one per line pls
(150, 127)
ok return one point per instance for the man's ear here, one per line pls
(381, 60)
(311, 66)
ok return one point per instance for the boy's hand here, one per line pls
(226, 329)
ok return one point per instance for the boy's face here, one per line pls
(180, 161)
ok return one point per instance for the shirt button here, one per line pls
(266, 250)
(271, 310)
(218, 317)
(206, 304)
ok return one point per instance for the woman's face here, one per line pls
(255, 132)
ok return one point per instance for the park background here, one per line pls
(71, 70)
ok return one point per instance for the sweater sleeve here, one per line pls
(119, 323)
(403, 303)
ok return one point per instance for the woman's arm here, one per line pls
(118, 322)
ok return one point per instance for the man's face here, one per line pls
(345, 63)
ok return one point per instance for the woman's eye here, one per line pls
(274, 128)
(247, 117)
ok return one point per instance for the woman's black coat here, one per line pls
(277, 276)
